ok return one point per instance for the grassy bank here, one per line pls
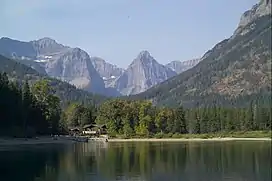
(249, 134)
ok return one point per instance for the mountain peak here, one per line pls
(47, 45)
(78, 50)
(143, 73)
(5, 38)
(46, 39)
(143, 55)
(263, 8)
(144, 58)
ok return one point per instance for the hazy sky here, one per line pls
(117, 30)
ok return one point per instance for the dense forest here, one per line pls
(36, 110)
(28, 111)
(142, 118)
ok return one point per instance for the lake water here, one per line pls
(143, 161)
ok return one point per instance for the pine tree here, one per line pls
(181, 123)
(26, 100)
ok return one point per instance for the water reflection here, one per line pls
(237, 161)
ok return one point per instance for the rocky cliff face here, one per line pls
(143, 73)
(72, 65)
(47, 46)
(107, 71)
(181, 66)
(261, 9)
(75, 67)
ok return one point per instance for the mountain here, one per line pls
(181, 66)
(143, 73)
(14, 49)
(263, 8)
(56, 60)
(47, 46)
(15, 69)
(68, 93)
(238, 67)
(75, 67)
(107, 71)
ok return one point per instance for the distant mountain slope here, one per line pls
(47, 46)
(181, 66)
(75, 67)
(107, 71)
(238, 66)
(20, 72)
(56, 60)
(143, 73)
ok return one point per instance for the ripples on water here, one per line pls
(157, 161)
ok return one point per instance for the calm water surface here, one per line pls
(195, 161)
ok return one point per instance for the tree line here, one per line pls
(36, 110)
(28, 111)
(141, 118)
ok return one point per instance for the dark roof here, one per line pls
(89, 126)
(94, 125)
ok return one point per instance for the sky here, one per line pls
(117, 30)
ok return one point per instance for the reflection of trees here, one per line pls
(26, 164)
(158, 161)
(188, 160)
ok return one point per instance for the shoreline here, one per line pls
(34, 141)
(70, 140)
(186, 140)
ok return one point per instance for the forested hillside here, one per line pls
(16, 69)
(35, 110)
(66, 92)
(234, 70)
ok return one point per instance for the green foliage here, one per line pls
(180, 124)
(141, 119)
(25, 112)
(127, 129)
(36, 110)
(76, 115)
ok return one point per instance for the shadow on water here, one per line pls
(237, 161)
(26, 163)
